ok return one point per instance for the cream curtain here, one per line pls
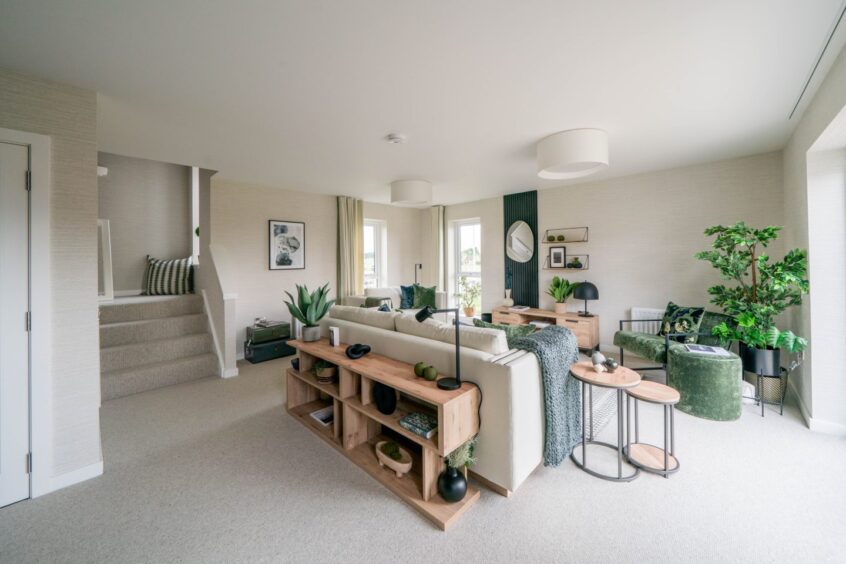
(350, 248)
(438, 248)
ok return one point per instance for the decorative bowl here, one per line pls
(400, 467)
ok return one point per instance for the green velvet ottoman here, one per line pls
(709, 385)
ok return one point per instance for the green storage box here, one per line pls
(260, 352)
(273, 332)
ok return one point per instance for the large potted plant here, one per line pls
(561, 289)
(309, 309)
(469, 292)
(764, 289)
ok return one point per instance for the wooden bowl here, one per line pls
(401, 466)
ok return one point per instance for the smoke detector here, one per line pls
(396, 138)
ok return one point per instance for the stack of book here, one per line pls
(421, 424)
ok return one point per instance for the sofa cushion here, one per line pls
(512, 332)
(371, 317)
(373, 301)
(491, 341)
(406, 297)
(650, 347)
(389, 292)
(681, 319)
(424, 296)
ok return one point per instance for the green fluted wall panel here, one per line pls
(524, 276)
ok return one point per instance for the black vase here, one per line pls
(760, 361)
(452, 485)
(385, 398)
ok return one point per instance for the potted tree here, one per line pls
(560, 289)
(764, 289)
(309, 309)
(469, 293)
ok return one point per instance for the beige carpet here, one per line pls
(216, 471)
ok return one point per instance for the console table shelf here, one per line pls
(357, 425)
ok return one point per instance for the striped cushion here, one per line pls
(168, 277)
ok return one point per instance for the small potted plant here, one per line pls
(390, 454)
(560, 289)
(452, 484)
(325, 372)
(469, 293)
(309, 309)
(764, 290)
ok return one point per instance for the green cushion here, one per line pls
(512, 332)
(709, 386)
(650, 347)
(709, 321)
(424, 296)
(681, 319)
(371, 301)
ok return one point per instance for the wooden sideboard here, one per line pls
(586, 329)
(358, 425)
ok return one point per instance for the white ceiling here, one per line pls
(300, 94)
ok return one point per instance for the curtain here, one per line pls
(438, 248)
(350, 248)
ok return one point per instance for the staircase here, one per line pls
(152, 342)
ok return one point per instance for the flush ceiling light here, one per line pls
(573, 153)
(411, 193)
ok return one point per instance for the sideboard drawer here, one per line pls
(510, 318)
(583, 330)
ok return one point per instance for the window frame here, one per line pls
(456, 259)
(380, 255)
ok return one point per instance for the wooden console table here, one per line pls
(586, 329)
(358, 425)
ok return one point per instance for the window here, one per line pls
(375, 255)
(468, 257)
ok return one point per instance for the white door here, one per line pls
(14, 336)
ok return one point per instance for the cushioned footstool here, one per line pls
(710, 386)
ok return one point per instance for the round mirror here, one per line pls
(520, 242)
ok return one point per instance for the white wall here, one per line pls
(239, 216)
(645, 229)
(405, 244)
(148, 205)
(490, 212)
(827, 103)
(68, 116)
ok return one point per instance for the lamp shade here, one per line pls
(411, 193)
(586, 291)
(573, 153)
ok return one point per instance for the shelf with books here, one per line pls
(358, 424)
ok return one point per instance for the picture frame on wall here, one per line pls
(286, 245)
(557, 257)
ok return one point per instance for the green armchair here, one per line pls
(710, 387)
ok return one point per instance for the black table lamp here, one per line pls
(445, 383)
(586, 291)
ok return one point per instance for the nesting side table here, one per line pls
(643, 455)
(621, 379)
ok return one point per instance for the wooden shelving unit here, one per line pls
(358, 425)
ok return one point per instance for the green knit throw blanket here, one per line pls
(556, 349)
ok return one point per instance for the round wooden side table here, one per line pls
(645, 456)
(621, 379)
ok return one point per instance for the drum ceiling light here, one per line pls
(411, 193)
(572, 153)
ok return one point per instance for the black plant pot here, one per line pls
(385, 398)
(452, 485)
(760, 361)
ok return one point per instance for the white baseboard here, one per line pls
(231, 373)
(816, 425)
(75, 477)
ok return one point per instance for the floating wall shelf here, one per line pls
(569, 234)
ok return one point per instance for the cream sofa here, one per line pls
(510, 443)
(395, 294)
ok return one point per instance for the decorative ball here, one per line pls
(418, 369)
(600, 368)
(597, 358)
(430, 373)
(611, 365)
(561, 237)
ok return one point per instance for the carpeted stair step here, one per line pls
(168, 306)
(139, 354)
(128, 332)
(120, 383)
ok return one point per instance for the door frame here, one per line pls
(40, 307)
